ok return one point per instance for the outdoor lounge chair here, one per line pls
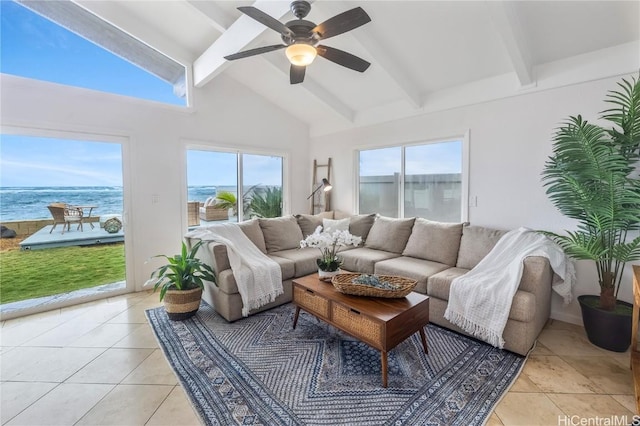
(63, 213)
(209, 210)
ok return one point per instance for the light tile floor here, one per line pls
(99, 363)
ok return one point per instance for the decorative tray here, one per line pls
(373, 285)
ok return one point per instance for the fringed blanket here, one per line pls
(259, 278)
(480, 300)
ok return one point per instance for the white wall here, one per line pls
(510, 140)
(226, 114)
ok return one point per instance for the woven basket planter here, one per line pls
(182, 304)
(401, 286)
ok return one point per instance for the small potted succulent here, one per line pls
(181, 282)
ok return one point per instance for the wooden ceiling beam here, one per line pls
(236, 38)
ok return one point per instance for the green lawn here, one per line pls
(29, 274)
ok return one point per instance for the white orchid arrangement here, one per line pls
(328, 244)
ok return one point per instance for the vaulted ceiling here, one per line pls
(425, 55)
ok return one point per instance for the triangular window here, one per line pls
(60, 42)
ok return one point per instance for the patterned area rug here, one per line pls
(259, 370)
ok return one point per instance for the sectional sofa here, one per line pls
(432, 253)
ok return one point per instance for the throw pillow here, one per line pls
(331, 225)
(436, 241)
(309, 222)
(252, 230)
(475, 244)
(361, 225)
(389, 234)
(281, 233)
(210, 201)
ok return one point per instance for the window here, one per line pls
(36, 43)
(37, 171)
(423, 180)
(262, 180)
(214, 177)
(380, 171)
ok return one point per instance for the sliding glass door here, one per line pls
(233, 186)
(262, 182)
(63, 200)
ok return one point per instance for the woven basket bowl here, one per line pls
(343, 283)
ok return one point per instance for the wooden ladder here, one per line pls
(321, 200)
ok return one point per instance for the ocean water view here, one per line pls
(24, 203)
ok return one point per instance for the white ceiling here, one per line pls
(425, 55)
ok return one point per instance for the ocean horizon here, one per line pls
(30, 203)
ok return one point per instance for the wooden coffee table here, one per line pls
(381, 323)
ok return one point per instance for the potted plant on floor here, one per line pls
(592, 177)
(181, 282)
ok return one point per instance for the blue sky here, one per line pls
(220, 168)
(419, 159)
(31, 161)
(33, 47)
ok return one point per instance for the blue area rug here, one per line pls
(259, 370)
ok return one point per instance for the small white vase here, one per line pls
(327, 275)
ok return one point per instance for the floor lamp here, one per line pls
(325, 184)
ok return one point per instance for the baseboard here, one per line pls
(567, 317)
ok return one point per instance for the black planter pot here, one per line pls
(606, 329)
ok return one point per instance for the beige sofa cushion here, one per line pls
(360, 225)
(309, 222)
(281, 233)
(227, 282)
(287, 266)
(438, 285)
(252, 230)
(363, 259)
(389, 234)
(523, 306)
(417, 269)
(475, 244)
(436, 241)
(304, 259)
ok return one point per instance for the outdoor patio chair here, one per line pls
(66, 215)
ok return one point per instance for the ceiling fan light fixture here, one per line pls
(301, 54)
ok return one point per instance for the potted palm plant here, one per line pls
(592, 177)
(181, 281)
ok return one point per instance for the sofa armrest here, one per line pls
(213, 254)
(536, 275)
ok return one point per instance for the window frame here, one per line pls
(127, 190)
(464, 191)
(189, 144)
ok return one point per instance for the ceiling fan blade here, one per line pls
(266, 20)
(343, 58)
(255, 51)
(346, 21)
(296, 74)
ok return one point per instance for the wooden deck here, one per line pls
(42, 239)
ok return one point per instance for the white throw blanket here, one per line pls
(480, 300)
(259, 278)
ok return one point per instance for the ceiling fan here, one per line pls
(301, 38)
